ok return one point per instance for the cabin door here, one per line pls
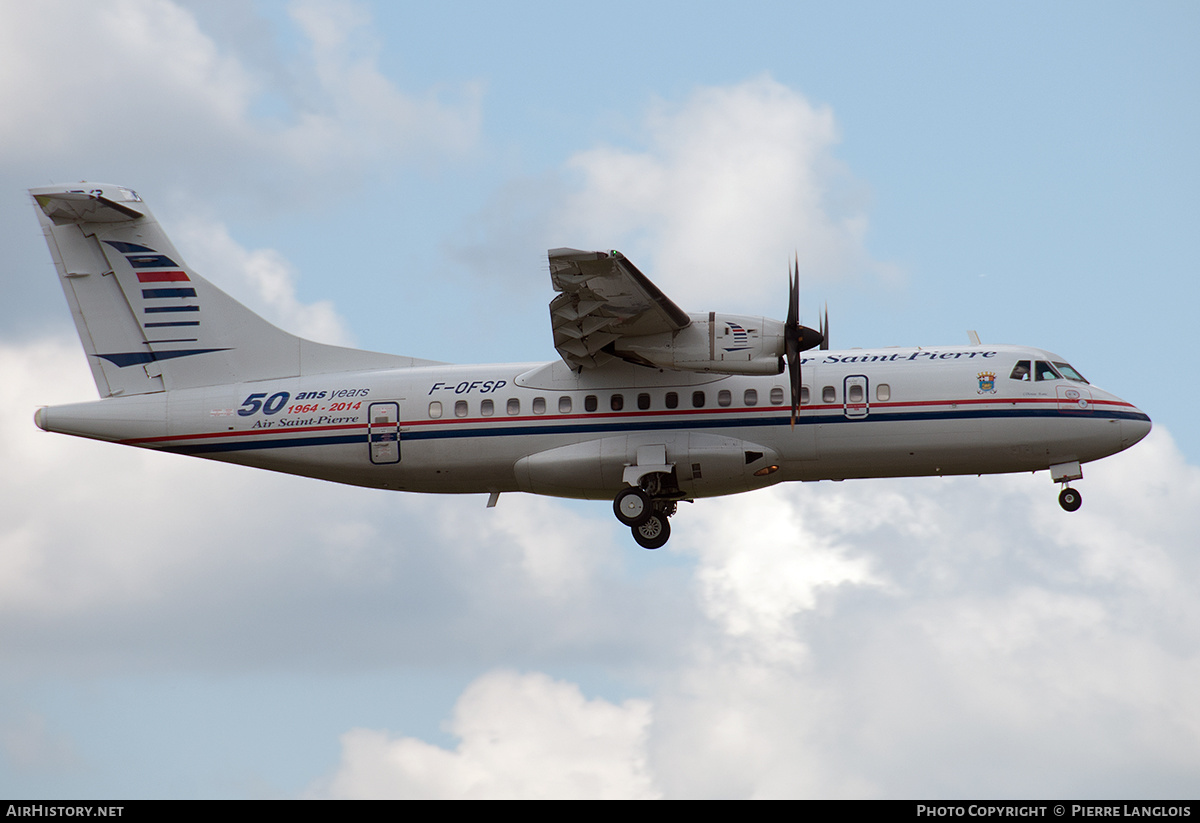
(383, 432)
(856, 401)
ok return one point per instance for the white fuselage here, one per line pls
(549, 430)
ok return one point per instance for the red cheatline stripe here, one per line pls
(1049, 402)
(161, 276)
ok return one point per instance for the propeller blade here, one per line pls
(793, 337)
(799, 338)
(825, 330)
(793, 315)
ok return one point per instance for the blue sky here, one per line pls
(391, 175)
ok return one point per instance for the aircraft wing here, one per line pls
(604, 298)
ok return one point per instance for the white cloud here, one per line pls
(957, 636)
(140, 93)
(263, 278)
(522, 736)
(948, 637)
(753, 585)
(139, 83)
(113, 76)
(732, 183)
(107, 551)
(361, 114)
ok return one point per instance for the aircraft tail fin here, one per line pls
(147, 321)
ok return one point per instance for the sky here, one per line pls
(389, 175)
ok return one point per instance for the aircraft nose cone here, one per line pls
(1134, 430)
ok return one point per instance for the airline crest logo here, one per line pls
(987, 382)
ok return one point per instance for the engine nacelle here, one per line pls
(721, 343)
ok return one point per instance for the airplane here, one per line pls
(647, 406)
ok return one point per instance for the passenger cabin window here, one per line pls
(1044, 371)
(460, 408)
(589, 403)
(539, 405)
(1020, 371)
(856, 394)
(698, 399)
(564, 404)
(883, 391)
(724, 397)
(750, 398)
(804, 396)
(672, 400)
(776, 396)
(643, 401)
(435, 409)
(514, 406)
(487, 408)
(617, 402)
(829, 395)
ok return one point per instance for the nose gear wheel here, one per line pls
(1070, 499)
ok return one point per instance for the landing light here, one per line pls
(765, 471)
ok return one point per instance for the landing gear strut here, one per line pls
(1070, 499)
(645, 509)
(1064, 473)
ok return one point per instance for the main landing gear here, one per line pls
(645, 510)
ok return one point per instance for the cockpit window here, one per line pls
(1044, 371)
(1069, 372)
(1020, 371)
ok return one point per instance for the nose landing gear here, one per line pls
(1064, 473)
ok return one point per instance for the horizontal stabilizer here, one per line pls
(111, 204)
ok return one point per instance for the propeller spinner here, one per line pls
(799, 338)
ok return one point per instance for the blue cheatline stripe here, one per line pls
(638, 426)
(754, 422)
(125, 248)
(152, 294)
(135, 358)
(151, 261)
(297, 442)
